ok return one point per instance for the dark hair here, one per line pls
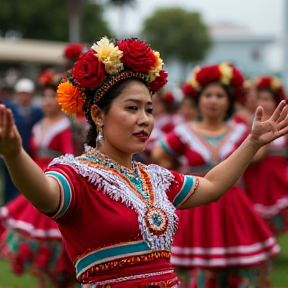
(229, 90)
(104, 104)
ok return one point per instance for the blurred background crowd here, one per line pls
(39, 40)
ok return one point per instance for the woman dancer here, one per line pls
(117, 217)
(227, 238)
(266, 179)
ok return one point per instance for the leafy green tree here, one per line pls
(48, 19)
(178, 35)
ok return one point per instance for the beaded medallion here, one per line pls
(156, 220)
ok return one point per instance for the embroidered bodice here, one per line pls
(136, 206)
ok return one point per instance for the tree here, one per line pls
(178, 35)
(121, 5)
(48, 20)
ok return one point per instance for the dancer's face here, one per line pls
(129, 121)
(214, 102)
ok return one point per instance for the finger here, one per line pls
(283, 131)
(2, 108)
(10, 120)
(278, 110)
(281, 125)
(283, 114)
(258, 114)
(7, 123)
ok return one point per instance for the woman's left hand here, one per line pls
(265, 131)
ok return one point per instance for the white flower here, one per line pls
(110, 55)
(154, 72)
(193, 81)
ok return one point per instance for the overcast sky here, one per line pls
(265, 17)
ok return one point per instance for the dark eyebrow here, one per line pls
(136, 101)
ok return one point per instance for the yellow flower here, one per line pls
(275, 83)
(153, 73)
(193, 80)
(226, 73)
(109, 55)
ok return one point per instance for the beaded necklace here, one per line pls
(155, 217)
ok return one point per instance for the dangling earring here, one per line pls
(99, 138)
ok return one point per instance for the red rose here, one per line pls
(73, 50)
(237, 78)
(88, 71)
(208, 74)
(188, 90)
(159, 82)
(137, 55)
(168, 96)
(45, 77)
(264, 82)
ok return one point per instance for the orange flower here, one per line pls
(70, 98)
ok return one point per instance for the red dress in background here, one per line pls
(31, 240)
(163, 125)
(227, 233)
(266, 184)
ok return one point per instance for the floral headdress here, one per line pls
(273, 84)
(48, 77)
(168, 97)
(103, 66)
(224, 73)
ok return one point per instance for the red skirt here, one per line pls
(225, 233)
(266, 184)
(31, 242)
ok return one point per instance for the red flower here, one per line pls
(237, 78)
(168, 96)
(73, 50)
(188, 90)
(88, 71)
(137, 55)
(208, 74)
(264, 82)
(159, 82)
(45, 77)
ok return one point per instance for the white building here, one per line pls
(237, 45)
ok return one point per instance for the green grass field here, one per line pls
(279, 276)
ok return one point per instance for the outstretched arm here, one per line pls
(222, 177)
(43, 192)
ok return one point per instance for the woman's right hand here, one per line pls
(10, 139)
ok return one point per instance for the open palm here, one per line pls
(264, 132)
(10, 140)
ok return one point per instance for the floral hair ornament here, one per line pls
(273, 84)
(48, 77)
(224, 73)
(108, 62)
(168, 96)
